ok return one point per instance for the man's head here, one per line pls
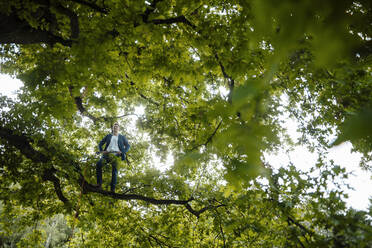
(115, 127)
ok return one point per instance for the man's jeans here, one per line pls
(114, 173)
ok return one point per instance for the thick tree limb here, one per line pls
(48, 175)
(23, 143)
(91, 188)
(15, 30)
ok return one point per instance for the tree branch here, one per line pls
(87, 187)
(148, 99)
(15, 30)
(178, 19)
(79, 104)
(74, 21)
(209, 138)
(127, 197)
(230, 80)
(221, 229)
(290, 220)
(23, 143)
(141, 95)
(157, 241)
(199, 212)
(48, 175)
(92, 6)
(302, 227)
(150, 9)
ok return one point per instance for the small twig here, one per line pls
(133, 189)
(142, 95)
(209, 138)
(148, 99)
(79, 104)
(221, 229)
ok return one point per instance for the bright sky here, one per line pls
(8, 85)
(361, 181)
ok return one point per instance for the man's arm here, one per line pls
(124, 147)
(126, 144)
(101, 143)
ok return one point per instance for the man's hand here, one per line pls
(118, 153)
(105, 152)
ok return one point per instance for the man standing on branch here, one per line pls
(116, 144)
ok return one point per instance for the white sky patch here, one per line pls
(137, 113)
(140, 110)
(303, 159)
(360, 180)
(224, 92)
(194, 54)
(9, 85)
(163, 166)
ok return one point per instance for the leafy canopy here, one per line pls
(214, 79)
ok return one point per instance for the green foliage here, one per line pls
(357, 128)
(213, 78)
